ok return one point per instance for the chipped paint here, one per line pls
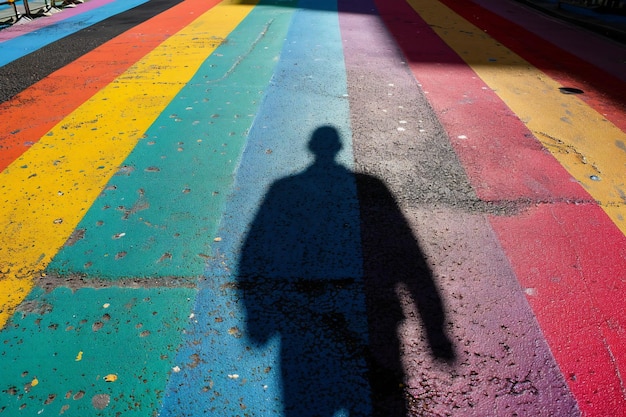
(121, 371)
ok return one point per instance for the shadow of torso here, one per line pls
(301, 276)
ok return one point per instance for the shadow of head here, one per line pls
(325, 144)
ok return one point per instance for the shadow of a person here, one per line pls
(396, 275)
(303, 278)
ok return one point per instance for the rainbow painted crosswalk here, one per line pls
(309, 208)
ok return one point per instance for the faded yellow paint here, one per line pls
(48, 189)
(579, 137)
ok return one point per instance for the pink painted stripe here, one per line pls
(36, 24)
(563, 247)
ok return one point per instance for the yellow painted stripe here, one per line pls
(579, 137)
(48, 190)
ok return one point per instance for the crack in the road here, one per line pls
(567, 148)
(505, 207)
(73, 281)
(246, 54)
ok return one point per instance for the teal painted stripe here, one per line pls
(281, 319)
(16, 48)
(59, 347)
(159, 214)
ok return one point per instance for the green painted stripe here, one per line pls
(158, 215)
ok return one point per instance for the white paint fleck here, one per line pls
(530, 291)
(462, 137)
(401, 129)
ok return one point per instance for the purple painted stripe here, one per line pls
(21, 29)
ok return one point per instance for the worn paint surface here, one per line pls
(69, 342)
(295, 208)
(55, 177)
(457, 243)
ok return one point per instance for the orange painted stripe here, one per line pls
(32, 113)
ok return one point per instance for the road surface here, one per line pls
(311, 208)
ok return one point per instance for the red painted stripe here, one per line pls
(575, 264)
(571, 257)
(32, 113)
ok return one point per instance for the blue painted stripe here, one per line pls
(16, 48)
(280, 320)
